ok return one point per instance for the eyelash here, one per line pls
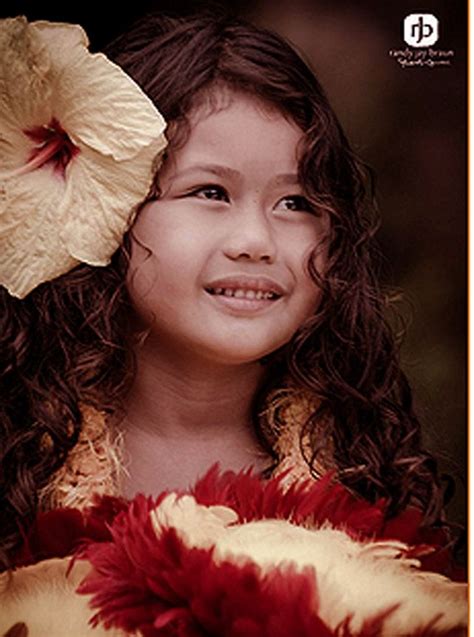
(302, 203)
(208, 188)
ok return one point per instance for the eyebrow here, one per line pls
(225, 171)
(215, 169)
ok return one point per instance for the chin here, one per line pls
(245, 355)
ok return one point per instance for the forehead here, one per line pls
(220, 96)
(238, 124)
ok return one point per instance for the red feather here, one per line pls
(161, 587)
(60, 532)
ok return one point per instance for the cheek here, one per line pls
(311, 248)
(168, 252)
(309, 296)
(141, 279)
(142, 276)
(309, 292)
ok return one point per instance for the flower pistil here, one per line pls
(53, 146)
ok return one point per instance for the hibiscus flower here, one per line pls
(79, 144)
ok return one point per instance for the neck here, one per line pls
(174, 396)
(183, 415)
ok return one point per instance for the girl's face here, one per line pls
(229, 237)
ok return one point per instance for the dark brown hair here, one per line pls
(70, 340)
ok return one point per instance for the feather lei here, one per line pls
(238, 557)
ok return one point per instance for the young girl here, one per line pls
(239, 322)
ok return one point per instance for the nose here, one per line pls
(251, 237)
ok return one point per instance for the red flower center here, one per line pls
(53, 146)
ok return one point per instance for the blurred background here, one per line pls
(410, 125)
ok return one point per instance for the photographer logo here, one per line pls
(420, 29)
(421, 32)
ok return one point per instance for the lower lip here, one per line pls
(242, 305)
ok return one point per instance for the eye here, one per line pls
(298, 203)
(211, 192)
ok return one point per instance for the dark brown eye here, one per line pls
(215, 193)
(298, 203)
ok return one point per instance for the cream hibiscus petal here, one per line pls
(31, 250)
(101, 199)
(60, 37)
(25, 89)
(99, 105)
(79, 144)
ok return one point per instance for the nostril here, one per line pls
(250, 242)
(249, 256)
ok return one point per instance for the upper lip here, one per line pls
(242, 282)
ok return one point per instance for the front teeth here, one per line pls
(243, 294)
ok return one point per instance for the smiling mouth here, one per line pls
(244, 294)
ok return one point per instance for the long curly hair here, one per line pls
(70, 341)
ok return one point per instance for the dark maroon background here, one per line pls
(410, 125)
